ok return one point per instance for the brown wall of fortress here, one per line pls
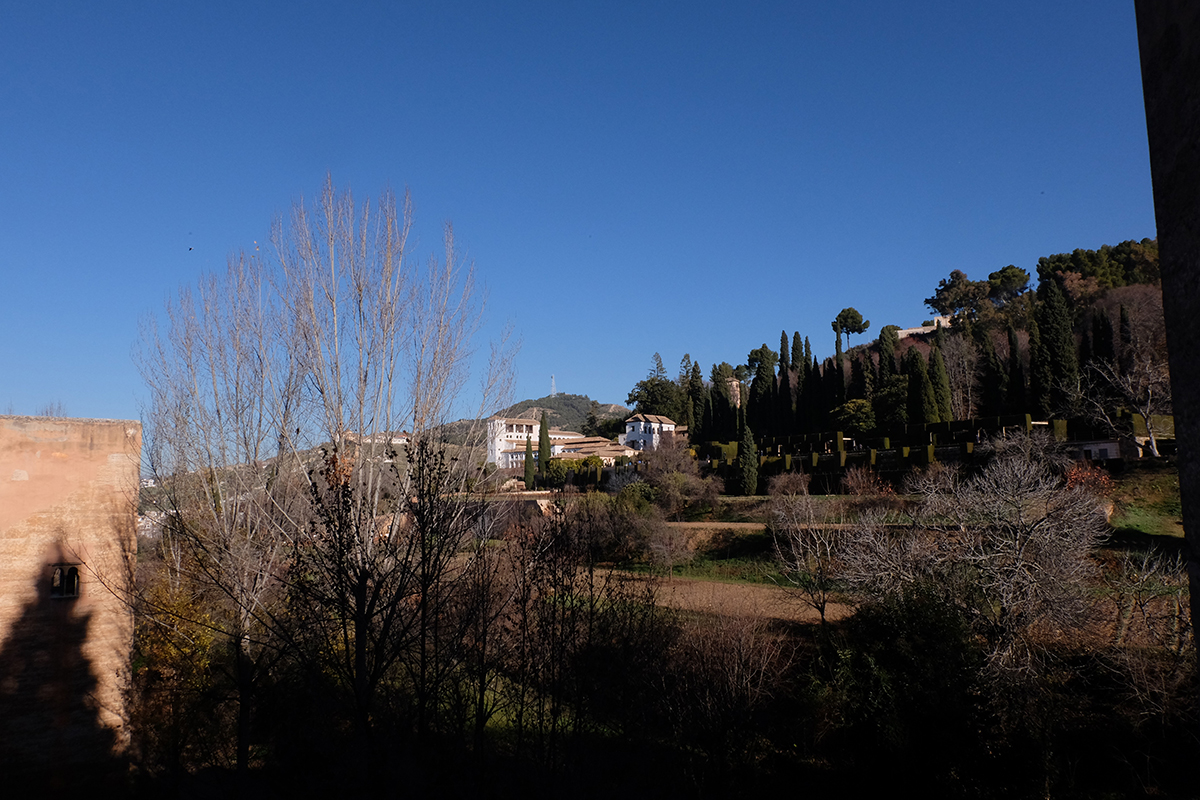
(68, 495)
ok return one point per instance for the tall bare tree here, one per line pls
(278, 396)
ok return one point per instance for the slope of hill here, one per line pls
(566, 411)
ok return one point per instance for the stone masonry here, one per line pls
(68, 509)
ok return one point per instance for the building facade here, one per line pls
(646, 431)
(506, 440)
(68, 512)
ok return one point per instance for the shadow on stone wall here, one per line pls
(50, 733)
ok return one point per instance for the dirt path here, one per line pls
(740, 599)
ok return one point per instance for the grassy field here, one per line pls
(1146, 499)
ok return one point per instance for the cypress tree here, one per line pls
(993, 379)
(784, 363)
(922, 404)
(1058, 346)
(529, 468)
(543, 446)
(941, 383)
(760, 407)
(1014, 394)
(797, 351)
(747, 463)
(839, 395)
(808, 357)
(891, 403)
(709, 427)
(697, 396)
(785, 412)
(887, 352)
(1125, 351)
(1102, 337)
(1040, 376)
(862, 378)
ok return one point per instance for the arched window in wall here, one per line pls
(64, 580)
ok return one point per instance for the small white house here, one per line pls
(645, 431)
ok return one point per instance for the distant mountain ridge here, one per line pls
(565, 411)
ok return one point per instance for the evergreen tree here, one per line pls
(891, 403)
(808, 356)
(1058, 346)
(529, 468)
(697, 398)
(1102, 337)
(814, 398)
(747, 463)
(1126, 347)
(922, 404)
(686, 415)
(993, 378)
(839, 395)
(941, 383)
(543, 446)
(760, 406)
(862, 377)
(1014, 395)
(784, 363)
(785, 412)
(657, 394)
(797, 351)
(1040, 376)
(724, 426)
(887, 352)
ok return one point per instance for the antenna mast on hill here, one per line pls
(552, 392)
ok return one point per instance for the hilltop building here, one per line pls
(506, 440)
(646, 431)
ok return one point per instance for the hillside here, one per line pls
(565, 411)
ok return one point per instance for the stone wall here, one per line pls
(68, 501)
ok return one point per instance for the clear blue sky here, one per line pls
(627, 177)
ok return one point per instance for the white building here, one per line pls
(645, 431)
(506, 440)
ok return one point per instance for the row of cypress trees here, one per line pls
(789, 391)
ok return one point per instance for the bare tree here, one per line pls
(278, 396)
(1026, 540)
(806, 549)
(961, 357)
(1009, 546)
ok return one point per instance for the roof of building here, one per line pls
(656, 418)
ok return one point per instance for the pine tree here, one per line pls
(543, 446)
(529, 468)
(941, 384)
(747, 463)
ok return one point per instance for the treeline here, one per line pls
(1088, 342)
